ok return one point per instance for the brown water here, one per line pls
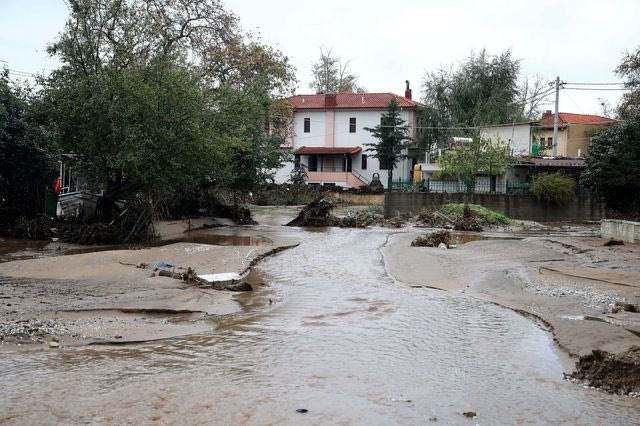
(342, 339)
(11, 249)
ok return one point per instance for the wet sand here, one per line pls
(570, 283)
(103, 297)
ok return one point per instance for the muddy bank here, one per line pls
(574, 285)
(615, 373)
(104, 297)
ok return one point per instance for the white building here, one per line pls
(518, 136)
(328, 137)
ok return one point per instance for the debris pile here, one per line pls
(168, 269)
(432, 219)
(614, 373)
(316, 213)
(42, 227)
(94, 233)
(433, 239)
(468, 222)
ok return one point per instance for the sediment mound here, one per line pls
(615, 373)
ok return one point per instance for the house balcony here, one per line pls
(334, 175)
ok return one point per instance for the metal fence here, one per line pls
(481, 187)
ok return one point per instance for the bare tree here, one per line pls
(534, 92)
(331, 75)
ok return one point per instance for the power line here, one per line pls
(596, 84)
(596, 88)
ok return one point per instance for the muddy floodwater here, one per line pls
(330, 332)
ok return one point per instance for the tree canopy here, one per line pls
(629, 69)
(27, 165)
(157, 97)
(464, 160)
(484, 89)
(613, 164)
(392, 134)
(331, 75)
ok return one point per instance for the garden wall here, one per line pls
(620, 230)
(524, 207)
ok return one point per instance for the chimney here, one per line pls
(330, 100)
(546, 114)
(407, 91)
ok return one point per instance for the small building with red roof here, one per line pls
(574, 133)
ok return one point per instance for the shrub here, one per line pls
(554, 188)
(483, 214)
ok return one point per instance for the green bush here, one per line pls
(554, 188)
(484, 215)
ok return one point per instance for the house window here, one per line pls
(363, 163)
(313, 163)
(307, 125)
(542, 144)
(550, 142)
(352, 125)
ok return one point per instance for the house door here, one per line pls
(348, 163)
(493, 183)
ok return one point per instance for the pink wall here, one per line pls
(411, 123)
(329, 136)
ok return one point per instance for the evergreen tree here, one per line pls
(393, 135)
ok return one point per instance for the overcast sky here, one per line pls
(389, 42)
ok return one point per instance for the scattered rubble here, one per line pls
(31, 331)
(614, 373)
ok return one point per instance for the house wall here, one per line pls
(548, 133)
(571, 139)
(330, 128)
(316, 136)
(518, 136)
(580, 138)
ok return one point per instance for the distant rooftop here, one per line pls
(350, 101)
(565, 118)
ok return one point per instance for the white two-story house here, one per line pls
(328, 137)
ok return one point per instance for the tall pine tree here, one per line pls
(393, 135)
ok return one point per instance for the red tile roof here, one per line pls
(565, 118)
(350, 101)
(305, 150)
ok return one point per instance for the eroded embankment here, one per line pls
(579, 299)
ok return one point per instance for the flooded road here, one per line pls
(341, 339)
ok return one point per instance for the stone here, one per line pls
(470, 414)
(54, 344)
(442, 246)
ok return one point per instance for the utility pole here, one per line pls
(555, 119)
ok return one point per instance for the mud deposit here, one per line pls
(617, 373)
(329, 339)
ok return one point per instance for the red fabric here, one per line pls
(58, 185)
